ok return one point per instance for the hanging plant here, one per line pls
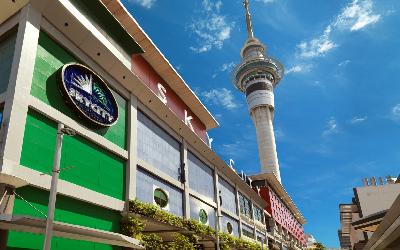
(133, 227)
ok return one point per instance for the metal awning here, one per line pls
(65, 230)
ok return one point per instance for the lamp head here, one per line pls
(68, 131)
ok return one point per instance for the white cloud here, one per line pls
(317, 46)
(344, 63)
(358, 119)
(224, 67)
(279, 134)
(331, 127)
(396, 112)
(211, 28)
(227, 66)
(222, 97)
(145, 3)
(265, 1)
(299, 69)
(357, 15)
(232, 149)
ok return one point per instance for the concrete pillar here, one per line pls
(238, 210)
(16, 103)
(218, 212)
(19, 86)
(262, 118)
(131, 167)
(185, 175)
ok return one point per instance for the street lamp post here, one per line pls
(54, 182)
(219, 216)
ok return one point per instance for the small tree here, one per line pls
(319, 246)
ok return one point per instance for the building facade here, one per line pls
(141, 133)
(360, 218)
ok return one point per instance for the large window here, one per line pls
(227, 196)
(245, 206)
(7, 44)
(153, 190)
(1, 116)
(157, 147)
(248, 231)
(258, 214)
(229, 225)
(201, 177)
(202, 212)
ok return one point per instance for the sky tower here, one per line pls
(256, 76)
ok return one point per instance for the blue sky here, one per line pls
(337, 109)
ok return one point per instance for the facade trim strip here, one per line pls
(58, 116)
(203, 198)
(154, 171)
(122, 57)
(37, 179)
(60, 38)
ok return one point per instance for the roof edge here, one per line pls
(283, 194)
(129, 23)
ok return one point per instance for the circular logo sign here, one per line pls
(88, 94)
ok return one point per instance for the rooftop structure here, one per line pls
(370, 203)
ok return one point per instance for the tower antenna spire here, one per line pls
(248, 20)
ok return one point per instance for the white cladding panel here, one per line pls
(259, 98)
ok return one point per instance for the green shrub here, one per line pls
(153, 242)
(198, 228)
(226, 241)
(133, 227)
(183, 242)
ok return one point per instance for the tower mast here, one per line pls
(256, 76)
(248, 20)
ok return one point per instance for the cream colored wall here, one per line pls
(374, 199)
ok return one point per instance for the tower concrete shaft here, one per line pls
(256, 76)
(262, 119)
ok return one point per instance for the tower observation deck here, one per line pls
(256, 76)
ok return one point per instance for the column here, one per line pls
(217, 200)
(6, 206)
(185, 169)
(16, 102)
(18, 92)
(131, 167)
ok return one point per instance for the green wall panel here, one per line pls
(67, 210)
(93, 167)
(49, 59)
(7, 45)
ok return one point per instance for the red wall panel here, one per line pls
(281, 214)
(151, 78)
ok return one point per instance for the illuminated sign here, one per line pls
(88, 94)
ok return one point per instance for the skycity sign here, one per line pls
(88, 94)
